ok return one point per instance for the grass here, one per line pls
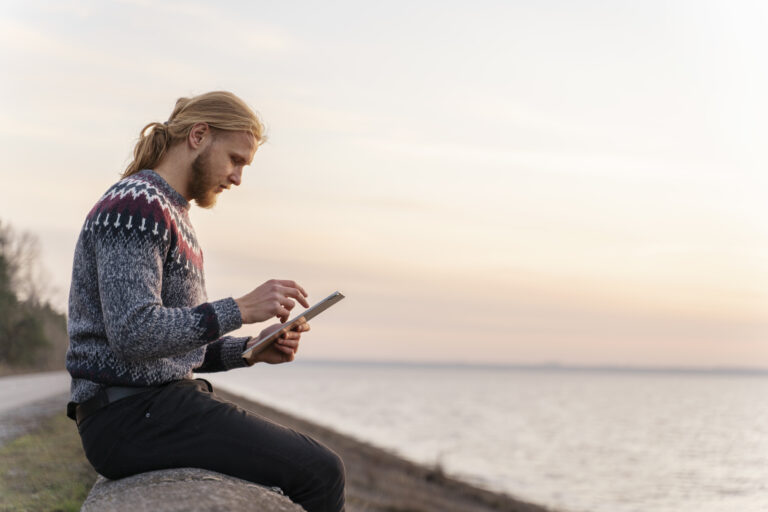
(45, 470)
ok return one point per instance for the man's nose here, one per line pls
(236, 177)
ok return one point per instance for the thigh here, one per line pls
(185, 425)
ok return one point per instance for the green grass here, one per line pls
(45, 470)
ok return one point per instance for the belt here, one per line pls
(104, 397)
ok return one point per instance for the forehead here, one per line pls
(241, 142)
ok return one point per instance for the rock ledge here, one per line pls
(185, 489)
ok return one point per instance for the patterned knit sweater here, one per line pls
(138, 312)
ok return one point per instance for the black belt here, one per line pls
(104, 397)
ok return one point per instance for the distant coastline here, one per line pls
(549, 367)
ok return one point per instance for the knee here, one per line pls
(339, 469)
(333, 469)
(322, 487)
(333, 481)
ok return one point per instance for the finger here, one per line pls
(279, 309)
(293, 284)
(292, 344)
(291, 339)
(296, 293)
(299, 325)
(300, 328)
(286, 350)
(287, 303)
(292, 335)
(282, 312)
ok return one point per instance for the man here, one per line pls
(140, 322)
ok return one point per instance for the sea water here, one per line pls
(578, 441)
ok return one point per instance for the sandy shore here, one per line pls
(378, 481)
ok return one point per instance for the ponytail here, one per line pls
(153, 142)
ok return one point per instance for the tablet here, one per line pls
(307, 315)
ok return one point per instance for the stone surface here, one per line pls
(185, 489)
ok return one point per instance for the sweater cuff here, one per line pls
(228, 315)
(231, 352)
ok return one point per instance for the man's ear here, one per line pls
(198, 134)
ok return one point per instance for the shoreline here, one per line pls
(380, 481)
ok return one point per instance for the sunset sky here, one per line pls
(581, 182)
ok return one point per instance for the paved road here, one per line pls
(25, 400)
(20, 390)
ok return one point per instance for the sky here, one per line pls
(576, 182)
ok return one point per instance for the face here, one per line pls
(220, 165)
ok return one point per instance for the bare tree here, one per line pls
(21, 251)
(22, 310)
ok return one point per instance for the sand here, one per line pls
(379, 481)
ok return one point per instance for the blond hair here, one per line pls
(221, 110)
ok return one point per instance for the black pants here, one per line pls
(183, 424)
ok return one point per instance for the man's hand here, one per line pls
(283, 350)
(272, 298)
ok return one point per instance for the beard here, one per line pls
(202, 187)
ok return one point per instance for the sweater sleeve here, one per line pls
(130, 271)
(224, 354)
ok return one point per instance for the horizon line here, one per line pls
(556, 366)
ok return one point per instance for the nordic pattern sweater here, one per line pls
(138, 311)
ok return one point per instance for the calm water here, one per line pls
(578, 441)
